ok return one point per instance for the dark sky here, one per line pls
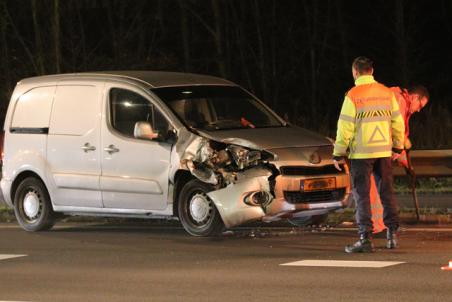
(293, 54)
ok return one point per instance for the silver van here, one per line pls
(151, 144)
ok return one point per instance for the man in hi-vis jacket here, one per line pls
(410, 101)
(371, 128)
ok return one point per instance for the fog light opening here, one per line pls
(258, 198)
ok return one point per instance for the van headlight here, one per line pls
(244, 157)
(205, 152)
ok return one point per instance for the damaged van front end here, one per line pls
(254, 184)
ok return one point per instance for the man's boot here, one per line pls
(391, 236)
(363, 245)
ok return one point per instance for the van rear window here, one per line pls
(33, 108)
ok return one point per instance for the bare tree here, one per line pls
(81, 30)
(343, 34)
(20, 39)
(218, 37)
(4, 56)
(241, 41)
(115, 21)
(402, 42)
(215, 31)
(261, 61)
(311, 15)
(56, 35)
(184, 25)
(38, 41)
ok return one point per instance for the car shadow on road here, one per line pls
(170, 228)
(119, 228)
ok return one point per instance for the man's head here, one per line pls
(419, 97)
(362, 66)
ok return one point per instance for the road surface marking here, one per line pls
(6, 256)
(342, 263)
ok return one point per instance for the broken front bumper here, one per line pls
(291, 202)
(230, 201)
(288, 201)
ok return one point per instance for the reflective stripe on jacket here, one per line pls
(370, 123)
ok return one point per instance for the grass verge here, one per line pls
(428, 185)
(6, 214)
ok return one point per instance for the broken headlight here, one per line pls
(204, 152)
(244, 157)
(211, 157)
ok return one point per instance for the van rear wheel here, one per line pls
(32, 206)
(197, 212)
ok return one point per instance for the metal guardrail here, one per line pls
(428, 163)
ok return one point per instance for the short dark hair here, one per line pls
(420, 90)
(363, 65)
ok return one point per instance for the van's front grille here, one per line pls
(310, 171)
(314, 197)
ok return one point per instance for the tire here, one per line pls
(197, 212)
(32, 206)
(308, 220)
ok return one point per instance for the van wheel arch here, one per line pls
(180, 179)
(20, 178)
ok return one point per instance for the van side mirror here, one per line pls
(143, 130)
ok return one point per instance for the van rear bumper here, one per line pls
(6, 191)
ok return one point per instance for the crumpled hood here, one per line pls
(269, 138)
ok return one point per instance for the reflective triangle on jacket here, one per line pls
(377, 136)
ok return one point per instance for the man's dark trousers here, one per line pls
(361, 171)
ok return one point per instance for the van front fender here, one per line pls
(230, 201)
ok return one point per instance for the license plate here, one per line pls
(318, 184)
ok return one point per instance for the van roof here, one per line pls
(155, 79)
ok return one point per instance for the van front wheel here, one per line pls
(32, 205)
(197, 212)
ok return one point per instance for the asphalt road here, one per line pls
(162, 263)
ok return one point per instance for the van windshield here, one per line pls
(217, 107)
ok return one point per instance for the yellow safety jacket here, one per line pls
(370, 123)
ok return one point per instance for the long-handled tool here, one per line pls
(410, 172)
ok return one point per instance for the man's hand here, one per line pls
(395, 156)
(396, 153)
(403, 160)
(336, 165)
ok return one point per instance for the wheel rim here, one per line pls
(32, 206)
(200, 208)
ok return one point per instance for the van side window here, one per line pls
(127, 108)
(75, 110)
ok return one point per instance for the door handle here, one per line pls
(111, 149)
(87, 147)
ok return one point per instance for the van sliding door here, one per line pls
(73, 148)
